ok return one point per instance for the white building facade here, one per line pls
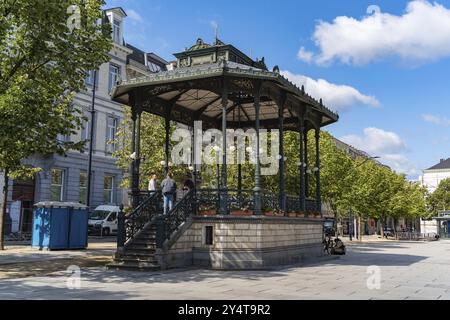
(433, 176)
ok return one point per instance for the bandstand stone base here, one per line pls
(243, 242)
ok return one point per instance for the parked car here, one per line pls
(103, 220)
(328, 227)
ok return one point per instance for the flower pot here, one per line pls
(241, 213)
(208, 213)
(292, 215)
(270, 214)
(300, 215)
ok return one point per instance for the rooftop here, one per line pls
(443, 164)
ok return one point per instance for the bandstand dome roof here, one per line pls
(194, 91)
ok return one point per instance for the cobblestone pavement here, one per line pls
(408, 271)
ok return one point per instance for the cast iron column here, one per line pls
(282, 173)
(302, 166)
(257, 190)
(239, 157)
(133, 162)
(224, 193)
(166, 147)
(317, 172)
(305, 137)
(137, 167)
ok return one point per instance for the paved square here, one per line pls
(409, 270)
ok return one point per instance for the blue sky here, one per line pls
(385, 70)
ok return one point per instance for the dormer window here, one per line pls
(116, 32)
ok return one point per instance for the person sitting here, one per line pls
(338, 247)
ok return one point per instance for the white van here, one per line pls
(103, 220)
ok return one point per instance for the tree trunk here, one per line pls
(395, 228)
(381, 229)
(3, 208)
(360, 227)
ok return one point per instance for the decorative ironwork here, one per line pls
(270, 201)
(311, 205)
(293, 204)
(149, 207)
(237, 200)
(177, 216)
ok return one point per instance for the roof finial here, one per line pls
(321, 103)
(303, 89)
(216, 35)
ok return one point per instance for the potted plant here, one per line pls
(207, 211)
(292, 214)
(300, 214)
(238, 211)
(317, 214)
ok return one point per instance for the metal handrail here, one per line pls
(131, 224)
(167, 224)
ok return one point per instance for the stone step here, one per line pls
(147, 234)
(142, 238)
(131, 255)
(140, 251)
(141, 246)
(142, 243)
(133, 266)
(138, 259)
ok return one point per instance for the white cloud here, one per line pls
(337, 97)
(384, 144)
(440, 121)
(133, 15)
(304, 55)
(420, 35)
(376, 141)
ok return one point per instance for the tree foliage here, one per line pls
(369, 189)
(46, 47)
(43, 63)
(439, 200)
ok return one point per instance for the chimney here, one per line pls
(442, 160)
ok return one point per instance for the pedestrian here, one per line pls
(169, 188)
(188, 183)
(152, 183)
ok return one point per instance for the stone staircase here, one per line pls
(139, 254)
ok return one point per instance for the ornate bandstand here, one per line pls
(224, 89)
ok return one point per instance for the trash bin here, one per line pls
(60, 226)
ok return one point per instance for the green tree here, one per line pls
(46, 47)
(439, 200)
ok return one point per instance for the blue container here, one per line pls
(60, 226)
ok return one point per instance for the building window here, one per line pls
(57, 185)
(114, 76)
(108, 189)
(112, 125)
(83, 187)
(90, 79)
(116, 32)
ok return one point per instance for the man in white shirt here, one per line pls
(152, 183)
